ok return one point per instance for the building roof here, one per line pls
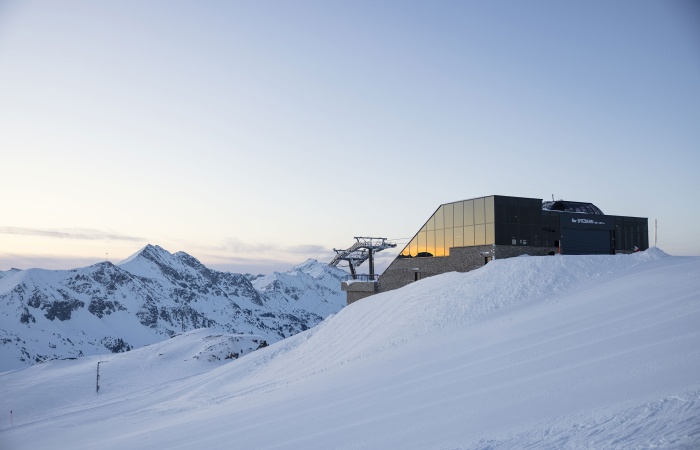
(575, 207)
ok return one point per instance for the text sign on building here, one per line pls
(587, 221)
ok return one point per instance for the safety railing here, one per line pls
(362, 277)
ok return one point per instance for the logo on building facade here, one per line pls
(587, 221)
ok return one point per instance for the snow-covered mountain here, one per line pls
(302, 286)
(531, 352)
(150, 296)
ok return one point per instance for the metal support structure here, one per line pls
(361, 251)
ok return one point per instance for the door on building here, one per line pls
(587, 242)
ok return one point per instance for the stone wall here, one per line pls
(403, 271)
(356, 290)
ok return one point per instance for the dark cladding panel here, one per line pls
(549, 228)
(511, 210)
(631, 232)
(512, 234)
(527, 236)
(499, 209)
(525, 213)
(502, 234)
(619, 233)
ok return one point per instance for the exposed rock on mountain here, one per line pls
(150, 296)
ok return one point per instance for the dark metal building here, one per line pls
(462, 236)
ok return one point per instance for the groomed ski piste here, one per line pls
(528, 352)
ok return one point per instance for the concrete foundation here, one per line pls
(356, 290)
(403, 271)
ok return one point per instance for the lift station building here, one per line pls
(464, 235)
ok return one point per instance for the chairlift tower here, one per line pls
(361, 251)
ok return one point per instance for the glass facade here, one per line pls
(458, 224)
(512, 221)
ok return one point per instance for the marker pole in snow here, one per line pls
(11, 422)
(97, 384)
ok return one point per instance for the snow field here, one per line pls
(550, 352)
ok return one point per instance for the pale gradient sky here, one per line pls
(254, 135)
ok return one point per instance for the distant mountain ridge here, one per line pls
(150, 296)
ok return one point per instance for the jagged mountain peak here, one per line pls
(149, 252)
(153, 261)
(151, 295)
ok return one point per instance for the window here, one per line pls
(480, 234)
(439, 219)
(468, 213)
(458, 236)
(439, 243)
(479, 211)
(469, 235)
(430, 244)
(489, 209)
(490, 233)
(449, 215)
(449, 240)
(459, 214)
(463, 224)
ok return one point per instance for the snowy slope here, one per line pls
(533, 352)
(56, 314)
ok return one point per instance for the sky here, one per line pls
(255, 135)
